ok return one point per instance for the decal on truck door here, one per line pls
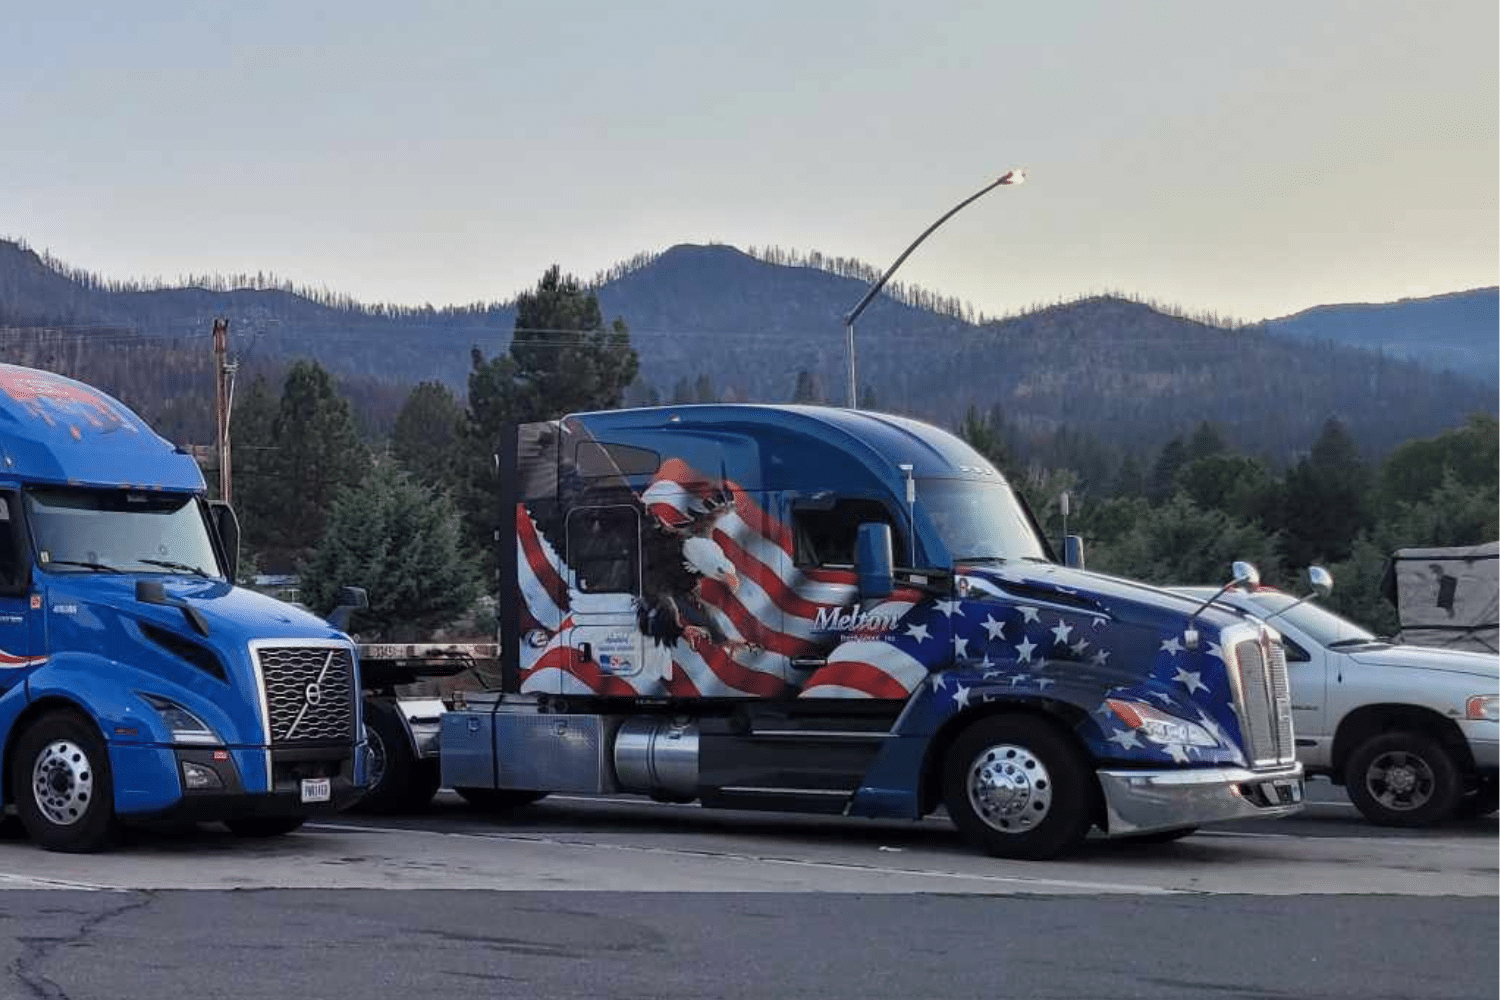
(722, 609)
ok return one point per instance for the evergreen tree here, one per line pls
(1206, 441)
(401, 541)
(1179, 543)
(1174, 455)
(253, 454)
(317, 455)
(808, 388)
(429, 435)
(1326, 501)
(562, 360)
(703, 390)
(682, 391)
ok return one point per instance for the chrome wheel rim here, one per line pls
(62, 782)
(375, 762)
(1009, 788)
(1400, 781)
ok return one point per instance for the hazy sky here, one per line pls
(1249, 159)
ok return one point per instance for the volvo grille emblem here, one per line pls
(313, 695)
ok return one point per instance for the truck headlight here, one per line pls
(184, 726)
(1159, 727)
(1483, 706)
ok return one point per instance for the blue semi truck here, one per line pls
(137, 682)
(843, 612)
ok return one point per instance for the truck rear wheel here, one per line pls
(1016, 787)
(499, 799)
(62, 784)
(399, 781)
(1402, 779)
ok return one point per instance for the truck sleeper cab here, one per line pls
(850, 613)
(136, 680)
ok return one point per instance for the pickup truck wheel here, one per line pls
(265, 826)
(62, 783)
(498, 799)
(1402, 779)
(398, 781)
(1016, 787)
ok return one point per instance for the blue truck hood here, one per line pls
(1125, 601)
(234, 615)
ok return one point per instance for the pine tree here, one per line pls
(402, 542)
(562, 360)
(428, 436)
(317, 456)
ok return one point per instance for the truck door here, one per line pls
(604, 551)
(20, 623)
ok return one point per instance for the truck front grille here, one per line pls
(1265, 703)
(309, 693)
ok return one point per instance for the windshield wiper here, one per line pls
(1354, 642)
(85, 565)
(179, 566)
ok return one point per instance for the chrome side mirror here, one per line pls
(1320, 580)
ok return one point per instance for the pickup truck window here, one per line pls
(1318, 624)
(978, 520)
(122, 531)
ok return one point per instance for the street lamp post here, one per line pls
(1010, 177)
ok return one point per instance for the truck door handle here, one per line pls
(586, 650)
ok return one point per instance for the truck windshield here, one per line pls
(83, 531)
(978, 520)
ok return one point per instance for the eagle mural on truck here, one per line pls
(712, 604)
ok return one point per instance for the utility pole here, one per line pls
(223, 398)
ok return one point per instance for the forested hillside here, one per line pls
(715, 322)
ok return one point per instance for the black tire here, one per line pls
(260, 827)
(1402, 779)
(63, 786)
(1158, 836)
(1017, 787)
(399, 781)
(1482, 801)
(498, 799)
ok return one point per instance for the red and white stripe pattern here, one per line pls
(768, 619)
(10, 661)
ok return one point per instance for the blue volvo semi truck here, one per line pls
(136, 680)
(843, 612)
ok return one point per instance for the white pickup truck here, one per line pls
(1411, 732)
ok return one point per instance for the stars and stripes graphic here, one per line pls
(759, 612)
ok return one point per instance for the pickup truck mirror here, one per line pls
(1321, 582)
(1073, 551)
(872, 560)
(227, 527)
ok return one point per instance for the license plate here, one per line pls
(317, 789)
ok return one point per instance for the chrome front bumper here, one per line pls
(1143, 801)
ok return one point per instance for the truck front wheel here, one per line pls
(399, 781)
(62, 784)
(1016, 787)
(1402, 779)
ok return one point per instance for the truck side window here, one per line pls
(604, 549)
(11, 573)
(827, 537)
